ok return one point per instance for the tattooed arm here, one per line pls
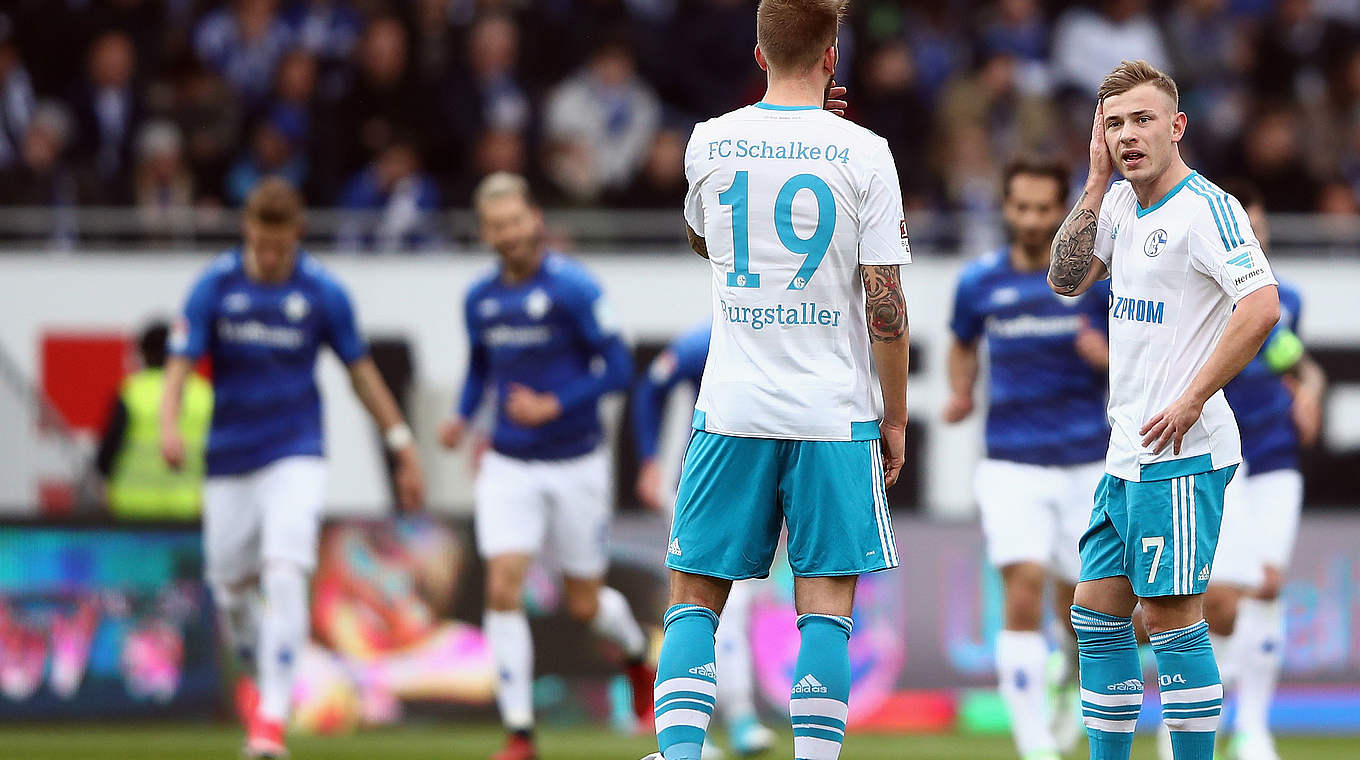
(886, 310)
(1073, 266)
(696, 242)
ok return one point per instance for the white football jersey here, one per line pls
(1178, 268)
(791, 201)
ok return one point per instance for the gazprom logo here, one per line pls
(1137, 309)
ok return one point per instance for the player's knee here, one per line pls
(1220, 611)
(503, 592)
(583, 606)
(1272, 585)
(1024, 586)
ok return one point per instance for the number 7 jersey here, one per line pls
(790, 202)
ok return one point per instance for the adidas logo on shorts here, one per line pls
(674, 548)
(809, 685)
(710, 670)
(1204, 573)
(1133, 684)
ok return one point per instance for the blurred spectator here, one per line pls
(142, 21)
(401, 200)
(139, 484)
(16, 96)
(599, 124)
(203, 106)
(990, 100)
(244, 42)
(1271, 161)
(107, 112)
(43, 178)
(1296, 48)
(384, 100)
(495, 150)
(939, 46)
(328, 29)
(1018, 28)
(1337, 198)
(661, 183)
(162, 188)
(889, 102)
(274, 151)
(704, 62)
(1088, 43)
(1212, 57)
(490, 95)
(436, 42)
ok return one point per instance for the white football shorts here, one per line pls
(1260, 523)
(273, 513)
(563, 505)
(1036, 513)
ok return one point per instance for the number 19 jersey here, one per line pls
(790, 202)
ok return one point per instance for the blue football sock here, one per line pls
(686, 681)
(819, 702)
(1192, 694)
(1111, 681)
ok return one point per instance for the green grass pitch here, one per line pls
(184, 741)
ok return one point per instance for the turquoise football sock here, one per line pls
(1111, 681)
(686, 681)
(1192, 693)
(819, 702)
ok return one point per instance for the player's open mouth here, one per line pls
(1131, 158)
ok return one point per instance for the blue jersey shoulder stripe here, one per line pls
(1222, 231)
(1227, 207)
(1218, 201)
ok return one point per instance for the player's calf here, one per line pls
(1111, 681)
(686, 681)
(1192, 694)
(819, 702)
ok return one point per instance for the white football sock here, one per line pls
(239, 615)
(614, 620)
(1021, 659)
(733, 647)
(283, 632)
(513, 649)
(1260, 648)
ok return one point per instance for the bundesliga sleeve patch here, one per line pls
(906, 244)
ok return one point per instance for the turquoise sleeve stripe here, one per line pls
(1222, 231)
(1220, 201)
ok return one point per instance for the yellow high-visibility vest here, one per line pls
(142, 486)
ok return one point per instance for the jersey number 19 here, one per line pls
(812, 248)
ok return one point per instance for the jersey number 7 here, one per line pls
(812, 248)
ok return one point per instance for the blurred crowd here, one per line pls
(398, 107)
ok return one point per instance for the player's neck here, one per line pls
(255, 274)
(1026, 260)
(519, 272)
(803, 90)
(1149, 193)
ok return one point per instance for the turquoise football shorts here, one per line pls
(736, 492)
(1160, 534)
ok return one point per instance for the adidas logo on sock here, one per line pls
(1133, 684)
(1204, 573)
(674, 548)
(809, 685)
(709, 670)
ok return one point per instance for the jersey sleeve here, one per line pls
(1105, 233)
(882, 222)
(190, 337)
(342, 329)
(1096, 306)
(966, 321)
(694, 208)
(474, 384)
(594, 323)
(1223, 247)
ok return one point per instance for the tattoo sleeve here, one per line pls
(1073, 249)
(884, 304)
(696, 242)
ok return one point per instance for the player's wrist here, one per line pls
(399, 438)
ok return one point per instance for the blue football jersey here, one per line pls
(553, 332)
(1261, 402)
(1047, 405)
(683, 360)
(262, 339)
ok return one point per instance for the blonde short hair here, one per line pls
(499, 185)
(274, 203)
(793, 33)
(1129, 74)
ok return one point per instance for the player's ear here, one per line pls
(1178, 123)
(760, 59)
(829, 58)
